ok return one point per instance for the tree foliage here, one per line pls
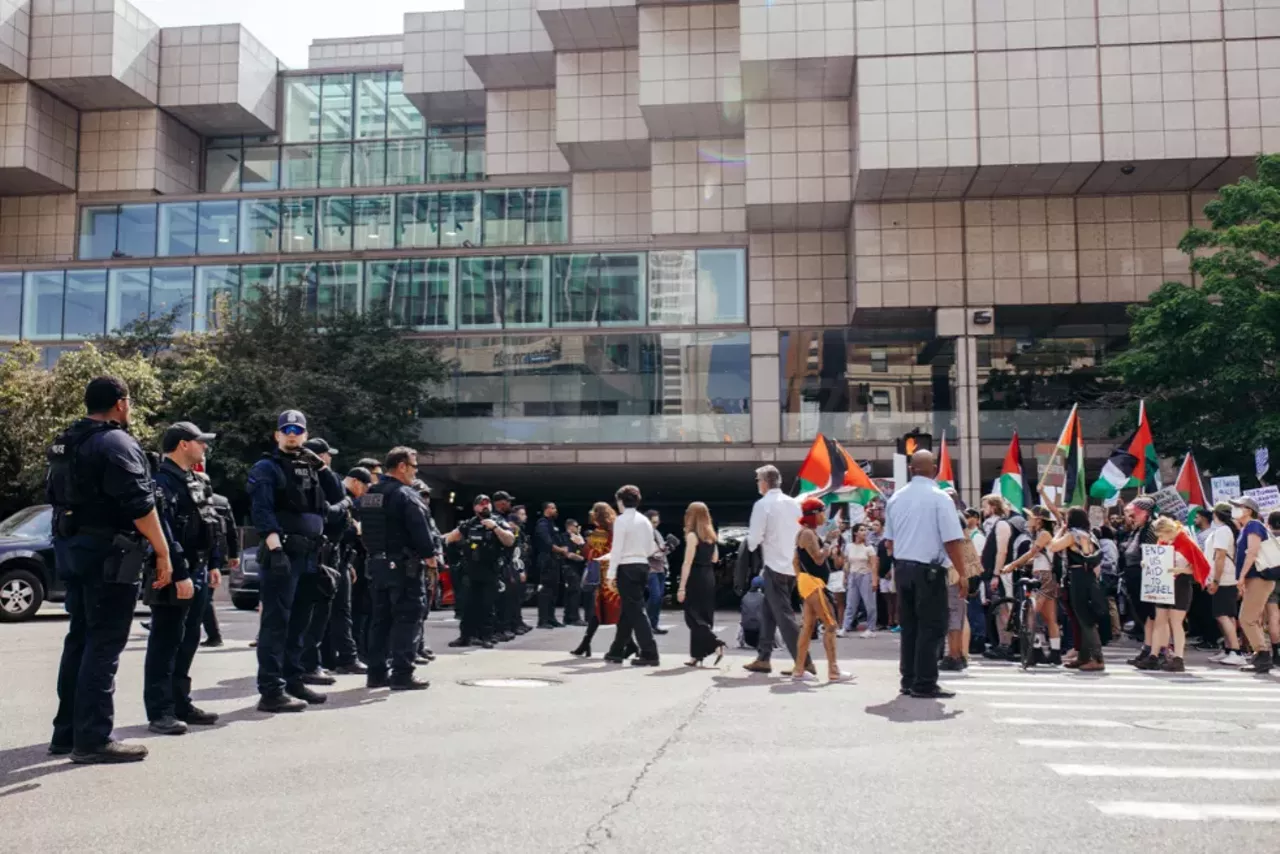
(1206, 358)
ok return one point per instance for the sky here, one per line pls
(287, 27)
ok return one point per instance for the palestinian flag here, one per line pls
(1133, 464)
(1071, 451)
(1189, 484)
(946, 475)
(1010, 483)
(828, 472)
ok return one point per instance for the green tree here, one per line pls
(1206, 358)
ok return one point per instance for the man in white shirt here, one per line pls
(1220, 550)
(775, 524)
(633, 543)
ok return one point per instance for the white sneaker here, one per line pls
(840, 633)
(1218, 657)
(1233, 659)
(842, 676)
(869, 633)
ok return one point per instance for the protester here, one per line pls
(775, 523)
(1110, 582)
(1137, 524)
(836, 583)
(633, 543)
(813, 567)
(1040, 525)
(861, 581)
(1257, 590)
(605, 604)
(888, 589)
(1223, 586)
(751, 615)
(656, 585)
(998, 549)
(1273, 601)
(697, 590)
(1188, 563)
(1082, 553)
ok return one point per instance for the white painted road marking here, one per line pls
(1123, 691)
(1162, 746)
(1189, 812)
(1108, 707)
(1156, 772)
(1087, 723)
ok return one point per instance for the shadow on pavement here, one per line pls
(21, 766)
(911, 710)
(228, 689)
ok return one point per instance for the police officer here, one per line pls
(104, 503)
(373, 467)
(508, 621)
(288, 506)
(313, 601)
(400, 548)
(484, 538)
(225, 558)
(188, 512)
(338, 649)
(425, 654)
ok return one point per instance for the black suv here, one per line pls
(27, 575)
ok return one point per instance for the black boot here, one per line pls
(1055, 658)
(1261, 663)
(302, 692)
(410, 683)
(583, 650)
(281, 702)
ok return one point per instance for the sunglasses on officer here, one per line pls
(292, 430)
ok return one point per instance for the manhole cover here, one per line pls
(511, 682)
(1189, 725)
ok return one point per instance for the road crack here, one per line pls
(600, 831)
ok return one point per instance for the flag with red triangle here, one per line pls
(1190, 485)
(1011, 483)
(1133, 463)
(829, 470)
(946, 475)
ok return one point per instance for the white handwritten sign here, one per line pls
(1171, 503)
(1224, 488)
(1157, 574)
(1268, 498)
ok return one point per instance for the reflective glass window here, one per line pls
(404, 161)
(388, 288)
(128, 296)
(437, 288)
(722, 286)
(415, 293)
(219, 225)
(370, 164)
(301, 108)
(137, 232)
(178, 229)
(403, 118)
(480, 285)
(525, 290)
(298, 225)
(460, 218)
(222, 170)
(504, 217)
(672, 287)
(261, 168)
(171, 290)
(98, 231)
(337, 289)
(373, 216)
(546, 220)
(217, 295)
(258, 281)
(475, 154)
(574, 287)
(418, 220)
(622, 289)
(298, 167)
(335, 224)
(335, 165)
(335, 107)
(371, 105)
(10, 306)
(259, 226)
(42, 306)
(447, 153)
(85, 311)
(298, 282)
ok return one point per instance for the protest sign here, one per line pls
(1097, 516)
(1171, 503)
(1224, 488)
(1157, 574)
(1268, 498)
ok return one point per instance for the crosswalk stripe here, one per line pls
(1189, 812)
(1128, 686)
(1122, 693)
(1268, 726)
(1154, 746)
(1086, 723)
(1156, 772)
(1111, 707)
(1046, 672)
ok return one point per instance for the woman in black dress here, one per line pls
(698, 584)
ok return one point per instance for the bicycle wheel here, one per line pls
(1026, 638)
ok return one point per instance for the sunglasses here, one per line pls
(292, 430)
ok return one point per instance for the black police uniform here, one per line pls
(515, 561)
(398, 539)
(424, 645)
(338, 647)
(571, 573)
(314, 599)
(547, 537)
(189, 513)
(226, 549)
(287, 498)
(482, 554)
(99, 484)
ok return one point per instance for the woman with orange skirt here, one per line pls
(813, 567)
(608, 604)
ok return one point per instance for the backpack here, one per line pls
(1019, 545)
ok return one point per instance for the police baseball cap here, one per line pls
(183, 431)
(500, 495)
(481, 499)
(291, 416)
(369, 463)
(361, 474)
(316, 445)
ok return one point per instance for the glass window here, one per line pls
(137, 232)
(10, 306)
(418, 220)
(260, 226)
(98, 231)
(85, 312)
(437, 304)
(218, 227)
(222, 170)
(525, 292)
(298, 167)
(217, 294)
(672, 279)
(298, 281)
(337, 289)
(335, 107)
(475, 154)
(574, 283)
(388, 288)
(504, 217)
(546, 216)
(371, 105)
(298, 225)
(261, 168)
(722, 286)
(403, 118)
(128, 296)
(404, 161)
(335, 165)
(42, 306)
(301, 109)
(171, 291)
(479, 287)
(257, 281)
(414, 293)
(177, 229)
(460, 218)
(621, 282)
(335, 224)
(447, 153)
(373, 222)
(370, 164)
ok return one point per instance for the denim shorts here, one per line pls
(957, 609)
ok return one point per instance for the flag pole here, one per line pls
(1057, 451)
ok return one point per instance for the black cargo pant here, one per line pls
(398, 601)
(548, 589)
(573, 600)
(477, 614)
(339, 645)
(308, 620)
(171, 647)
(512, 600)
(922, 613)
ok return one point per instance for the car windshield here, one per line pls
(33, 523)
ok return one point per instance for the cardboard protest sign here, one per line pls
(1268, 498)
(1171, 503)
(1157, 574)
(1224, 488)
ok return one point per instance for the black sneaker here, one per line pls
(658, 630)
(556, 624)
(953, 665)
(377, 680)
(524, 629)
(168, 725)
(613, 659)
(212, 643)
(56, 749)
(1138, 659)
(545, 626)
(302, 692)
(111, 753)
(644, 662)
(934, 694)
(1261, 663)
(577, 624)
(1173, 664)
(505, 637)
(413, 683)
(428, 654)
(281, 702)
(198, 717)
(487, 644)
(317, 677)
(421, 660)
(353, 668)
(461, 643)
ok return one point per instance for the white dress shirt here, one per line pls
(775, 524)
(633, 541)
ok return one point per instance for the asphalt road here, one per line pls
(615, 759)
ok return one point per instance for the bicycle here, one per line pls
(1021, 618)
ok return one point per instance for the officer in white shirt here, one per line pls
(633, 543)
(775, 524)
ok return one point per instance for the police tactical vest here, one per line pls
(68, 486)
(300, 491)
(480, 546)
(373, 519)
(198, 522)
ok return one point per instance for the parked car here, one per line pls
(243, 581)
(27, 569)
